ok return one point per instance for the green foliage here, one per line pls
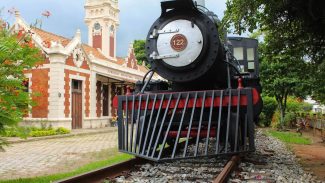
(318, 81)
(292, 32)
(297, 106)
(42, 133)
(290, 119)
(289, 137)
(16, 55)
(276, 120)
(294, 108)
(269, 107)
(281, 75)
(140, 51)
(296, 23)
(62, 130)
(33, 131)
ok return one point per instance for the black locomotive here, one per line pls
(209, 100)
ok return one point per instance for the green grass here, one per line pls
(290, 137)
(89, 167)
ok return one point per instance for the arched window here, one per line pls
(112, 29)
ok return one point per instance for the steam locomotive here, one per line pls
(209, 100)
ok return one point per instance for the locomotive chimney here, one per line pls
(200, 2)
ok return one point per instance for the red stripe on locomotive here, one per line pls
(208, 100)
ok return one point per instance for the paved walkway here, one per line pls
(23, 159)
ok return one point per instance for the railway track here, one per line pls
(140, 170)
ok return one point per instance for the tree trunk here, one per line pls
(281, 107)
(282, 114)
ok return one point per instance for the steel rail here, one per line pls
(108, 172)
(227, 170)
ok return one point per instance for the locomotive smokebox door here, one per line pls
(183, 47)
(179, 44)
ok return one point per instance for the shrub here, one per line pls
(276, 118)
(262, 120)
(42, 133)
(62, 130)
(32, 131)
(15, 132)
(269, 107)
(290, 119)
(296, 105)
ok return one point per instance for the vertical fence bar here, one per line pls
(228, 120)
(155, 125)
(237, 121)
(137, 126)
(209, 125)
(126, 136)
(219, 122)
(148, 132)
(200, 125)
(132, 122)
(245, 133)
(250, 114)
(162, 125)
(190, 126)
(149, 125)
(143, 122)
(120, 123)
(180, 125)
(169, 125)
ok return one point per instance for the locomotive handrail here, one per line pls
(145, 84)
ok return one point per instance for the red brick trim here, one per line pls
(97, 41)
(112, 46)
(40, 90)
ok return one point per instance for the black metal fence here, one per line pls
(162, 126)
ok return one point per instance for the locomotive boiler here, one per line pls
(209, 100)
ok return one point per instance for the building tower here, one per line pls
(102, 19)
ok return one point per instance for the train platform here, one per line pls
(45, 156)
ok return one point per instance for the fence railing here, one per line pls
(314, 123)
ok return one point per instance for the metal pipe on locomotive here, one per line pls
(207, 106)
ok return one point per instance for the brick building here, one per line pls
(78, 81)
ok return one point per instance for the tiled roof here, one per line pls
(120, 60)
(143, 68)
(88, 49)
(48, 36)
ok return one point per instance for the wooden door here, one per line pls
(105, 100)
(76, 104)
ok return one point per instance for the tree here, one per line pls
(298, 23)
(282, 74)
(140, 51)
(318, 81)
(17, 54)
(294, 43)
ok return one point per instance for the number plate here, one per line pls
(178, 42)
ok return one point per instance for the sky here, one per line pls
(136, 17)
